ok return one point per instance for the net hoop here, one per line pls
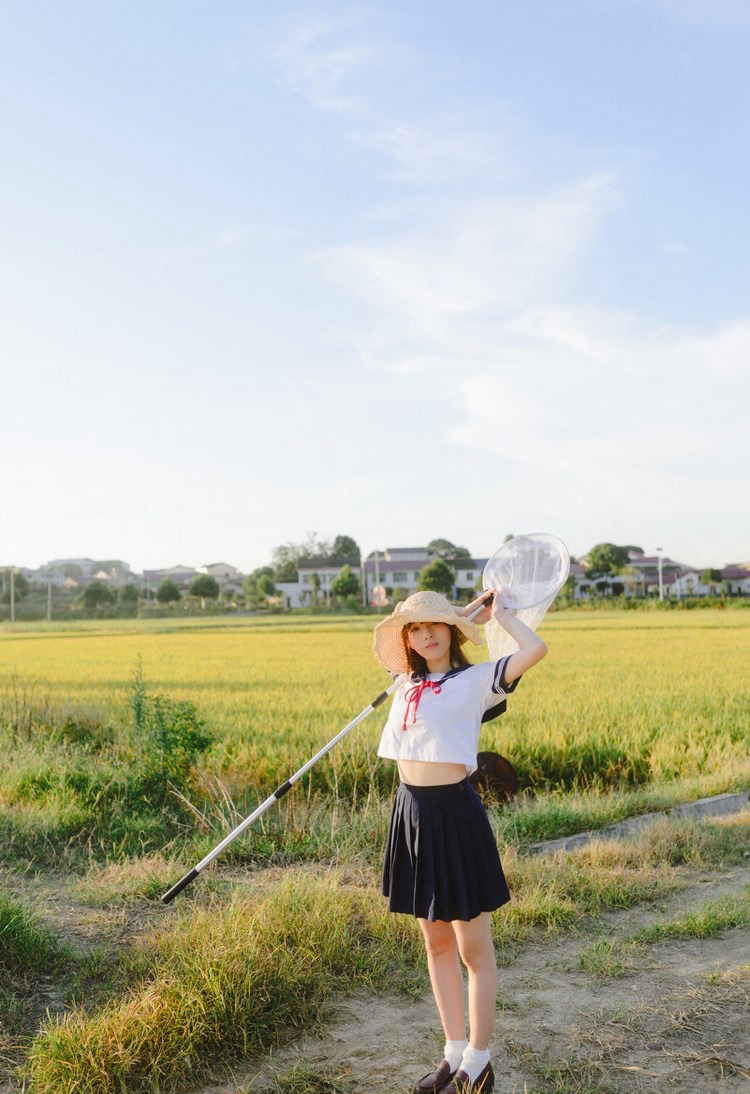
(528, 571)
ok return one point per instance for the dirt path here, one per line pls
(680, 1022)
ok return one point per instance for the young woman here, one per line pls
(441, 861)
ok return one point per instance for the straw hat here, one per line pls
(423, 607)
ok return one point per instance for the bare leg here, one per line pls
(446, 977)
(478, 954)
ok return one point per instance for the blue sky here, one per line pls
(390, 270)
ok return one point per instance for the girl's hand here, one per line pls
(484, 603)
(500, 612)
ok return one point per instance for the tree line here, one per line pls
(261, 586)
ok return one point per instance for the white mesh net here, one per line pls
(529, 571)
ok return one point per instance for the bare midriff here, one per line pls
(429, 773)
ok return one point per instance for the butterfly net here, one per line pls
(529, 571)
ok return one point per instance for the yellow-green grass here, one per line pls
(609, 959)
(225, 979)
(623, 697)
(233, 975)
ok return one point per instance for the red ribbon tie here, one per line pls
(413, 695)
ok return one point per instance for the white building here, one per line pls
(223, 572)
(315, 578)
(181, 575)
(398, 568)
(289, 591)
(75, 572)
(734, 581)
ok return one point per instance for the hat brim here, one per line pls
(388, 645)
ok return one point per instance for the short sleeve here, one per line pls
(499, 687)
(499, 684)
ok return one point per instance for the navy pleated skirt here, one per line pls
(441, 859)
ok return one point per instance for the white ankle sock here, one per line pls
(454, 1051)
(474, 1061)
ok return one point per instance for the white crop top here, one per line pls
(438, 719)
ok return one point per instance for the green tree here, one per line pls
(286, 556)
(205, 586)
(346, 584)
(606, 559)
(266, 586)
(437, 577)
(315, 586)
(259, 585)
(344, 549)
(168, 592)
(711, 578)
(129, 595)
(443, 548)
(285, 571)
(97, 595)
(635, 578)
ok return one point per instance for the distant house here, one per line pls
(79, 568)
(229, 577)
(315, 578)
(400, 567)
(289, 591)
(734, 581)
(72, 573)
(736, 578)
(223, 572)
(394, 568)
(181, 575)
(469, 573)
(641, 579)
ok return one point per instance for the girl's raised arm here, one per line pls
(531, 648)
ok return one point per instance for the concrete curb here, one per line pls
(704, 807)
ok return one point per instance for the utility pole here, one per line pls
(661, 582)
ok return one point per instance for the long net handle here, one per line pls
(278, 793)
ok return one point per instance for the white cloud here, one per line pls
(349, 66)
(424, 154)
(594, 392)
(584, 414)
(474, 258)
(321, 56)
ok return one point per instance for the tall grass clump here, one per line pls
(226, 979)
(75, 787)
(27, 951)
(27, 947)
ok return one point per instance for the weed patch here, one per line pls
(224, 980)
(608, 959)
(26, 946)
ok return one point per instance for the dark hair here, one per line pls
(417, 663)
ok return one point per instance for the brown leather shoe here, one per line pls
(462, 1084)
(435, 1082)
